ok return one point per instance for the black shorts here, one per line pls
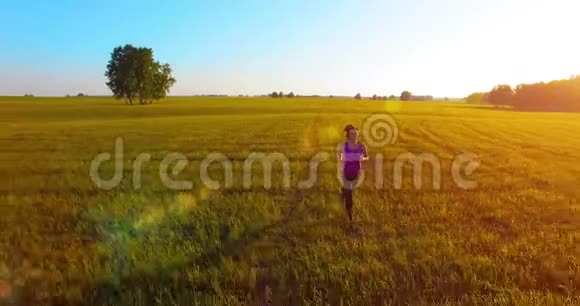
(350, 176)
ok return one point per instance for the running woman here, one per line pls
(351, 156)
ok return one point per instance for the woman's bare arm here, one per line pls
(341, 157)
(365, 154)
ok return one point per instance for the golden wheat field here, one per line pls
(514, 238)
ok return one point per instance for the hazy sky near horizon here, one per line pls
(443, 48)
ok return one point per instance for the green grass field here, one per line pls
(514, 239)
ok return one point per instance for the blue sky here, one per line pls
(443, 48)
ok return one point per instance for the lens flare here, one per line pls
(331, 134)
(205, 193)
(186, 201)
(393, 106)
(151, 217)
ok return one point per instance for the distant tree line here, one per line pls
(281, 95)
(476, 98)
(405, 96)
(560, 95)
(80, 94)
(375, 97)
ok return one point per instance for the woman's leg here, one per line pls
(348, 203)
(347, 196)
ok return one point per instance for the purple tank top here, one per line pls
(352, 157)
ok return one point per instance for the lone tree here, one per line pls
(406, 96)
(274, 94)
(291, 95)
(357, 97)
(134, 75)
